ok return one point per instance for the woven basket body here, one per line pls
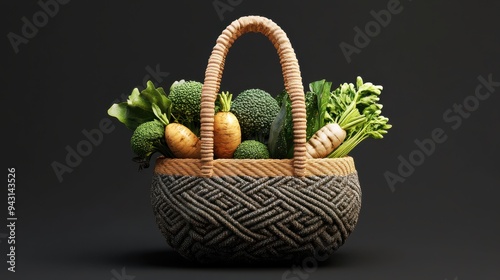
(255, 210)
(249, 218)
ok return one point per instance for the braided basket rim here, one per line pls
(255, 167)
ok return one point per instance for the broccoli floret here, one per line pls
(186, 103)
(148, 138)
(255, 110)
(251, 149)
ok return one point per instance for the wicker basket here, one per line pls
(213, 210)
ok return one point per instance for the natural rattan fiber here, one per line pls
(252, 210)
(291, 75)
(255, 167)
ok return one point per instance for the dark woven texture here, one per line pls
(245, 219)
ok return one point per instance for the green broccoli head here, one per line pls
(186, 101)
(251, 149)
(255, 110)
(148, 138)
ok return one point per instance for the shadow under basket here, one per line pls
(246, 210)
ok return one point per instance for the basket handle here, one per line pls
(292, 79)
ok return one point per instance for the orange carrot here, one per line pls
(227, 131)
(182, 142)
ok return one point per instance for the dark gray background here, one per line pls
(441, 222)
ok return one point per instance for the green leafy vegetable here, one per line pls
(375, 127)
(347, 103)
(353, 108)
(275, 144)
(280, 143)
(138, 108)
(317, 101)
(146, 113)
